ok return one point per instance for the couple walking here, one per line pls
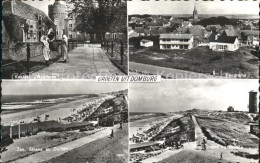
(48, 46)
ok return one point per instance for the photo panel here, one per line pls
(194, 39)
(64, 121)
(63, 39)
(194, 121)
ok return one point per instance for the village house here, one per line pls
(224, 43)
(146, 43)
(198, 33)
(250, 37)
(24, 23)
(176, 41)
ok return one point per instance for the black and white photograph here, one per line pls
(184, 121)
(194, 39)
(64, 121)
(61, 39)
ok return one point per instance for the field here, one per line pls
(199, 59)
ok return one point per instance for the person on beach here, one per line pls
(64, 48)
(45, 49)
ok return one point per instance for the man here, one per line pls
(112, 133)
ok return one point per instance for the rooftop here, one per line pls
(23, 10)
(225, 39)
(145, 41)
(176, 36)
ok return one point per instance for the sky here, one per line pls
(17, 87)
(179, 95)
(42, 5)
(187, 7)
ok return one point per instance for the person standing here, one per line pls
(64, 48)
(45, 49)
(51, 39)
(121, 126)
(112, 133)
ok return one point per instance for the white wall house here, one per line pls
(224, 43)
(146, 43)
(176, 41)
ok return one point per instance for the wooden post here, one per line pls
(112, 49)
(28, 57)
(107, 47)
(61, 49)
(11, 134)
(19, 130)
(122, 53)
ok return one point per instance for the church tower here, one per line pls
(195, 13)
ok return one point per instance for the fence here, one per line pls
(117, 50)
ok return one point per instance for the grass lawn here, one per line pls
(101, 150)
(199, 59)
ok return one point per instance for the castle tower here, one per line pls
(58, 12)
(195, 13)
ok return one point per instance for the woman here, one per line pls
(64, 49)
(51, 39)
(45, 49)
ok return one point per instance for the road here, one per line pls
(169, 73)
(67, 147)
(85, 62)
(105, 150)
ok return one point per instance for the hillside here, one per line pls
(112, 111)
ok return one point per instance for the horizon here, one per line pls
(185, 95)
(203, 7)
(59, 87)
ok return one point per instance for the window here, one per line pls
(222, 47)
(70, 36)
(70, 25)
(57, 32)
(56, 21)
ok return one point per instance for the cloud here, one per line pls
(177, 95)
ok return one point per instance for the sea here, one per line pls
(31, 98)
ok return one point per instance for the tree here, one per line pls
(100, 16)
